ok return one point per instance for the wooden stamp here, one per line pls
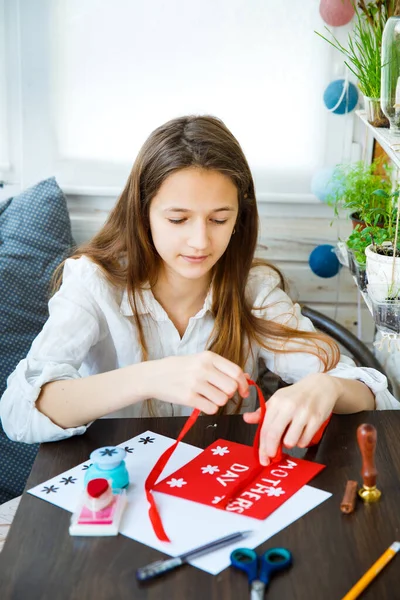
(367, 437)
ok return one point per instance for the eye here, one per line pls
(179, 221)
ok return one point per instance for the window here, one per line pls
(11, 157)
(108, 73)
(4, 156)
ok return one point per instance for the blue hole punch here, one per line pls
(108, 462)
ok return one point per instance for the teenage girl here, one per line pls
(165, 310)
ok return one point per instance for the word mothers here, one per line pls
(263, 486)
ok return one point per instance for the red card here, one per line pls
(226, 467)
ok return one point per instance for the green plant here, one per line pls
(386, 214)
(354, 190)
(361, 238)
(384, 237)
(363, 54)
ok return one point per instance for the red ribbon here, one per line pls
(235, 491)
(156, 472)
(254, 473)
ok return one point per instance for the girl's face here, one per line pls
(192, 218)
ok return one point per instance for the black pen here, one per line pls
(162, 566)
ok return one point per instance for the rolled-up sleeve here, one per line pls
(375, 380)
(73, 327)
(273, 304)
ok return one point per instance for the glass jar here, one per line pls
(390, 80)
(374, 112)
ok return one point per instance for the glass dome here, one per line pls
(390, 80)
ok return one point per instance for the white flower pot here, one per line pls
(379, 274)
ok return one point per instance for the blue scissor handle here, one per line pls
(246, 560)
(273, 560)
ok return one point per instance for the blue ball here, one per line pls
(323, 261)
(322, 185)
(333, 93)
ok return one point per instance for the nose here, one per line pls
(198, 236)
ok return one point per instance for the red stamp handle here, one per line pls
(366, 438)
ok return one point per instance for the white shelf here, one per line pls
(389, 142)
(365, 296)
(391, 145)
(341, 253)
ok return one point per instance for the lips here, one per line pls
(194, 259)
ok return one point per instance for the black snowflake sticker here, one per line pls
(86, 467)
(67, 480)
(108, 452)
(146, 440)
(129, 450)
(49, 488)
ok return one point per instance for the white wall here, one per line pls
(50, 47)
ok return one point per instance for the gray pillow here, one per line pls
(35, 237)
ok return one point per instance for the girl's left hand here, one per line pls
(295, 413)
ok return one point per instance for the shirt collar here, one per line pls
(147, 304)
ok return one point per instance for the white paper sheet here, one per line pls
(188, 524)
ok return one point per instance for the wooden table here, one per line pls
(331, 551)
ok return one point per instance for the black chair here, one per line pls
(363, 357)
(361, 354)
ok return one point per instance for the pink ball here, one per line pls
(336, 12)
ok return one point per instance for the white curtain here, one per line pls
(88, 80)
(4, 153)
(119, 69)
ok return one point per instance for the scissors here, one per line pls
(260, 569)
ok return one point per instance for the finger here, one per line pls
(295, 431)
(271, 414)
(203, 404)
(213, 394)
(308, 433)
(271, 435)
(229, 368)
(244, 388)
(252, 417)
(223, 382)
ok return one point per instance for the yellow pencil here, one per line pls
(372, 572)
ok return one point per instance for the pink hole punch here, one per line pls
(100, 510)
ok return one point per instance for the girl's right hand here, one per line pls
(205, 381)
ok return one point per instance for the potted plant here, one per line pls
(357, 243)
(354, 188)
(363, 54)
(383, 268)
(356, 254)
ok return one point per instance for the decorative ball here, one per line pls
(334, 92)
(323, 261)
(336, 12)
(323, 184)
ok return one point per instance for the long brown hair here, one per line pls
(203, 142)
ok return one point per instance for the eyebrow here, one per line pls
(186, 210)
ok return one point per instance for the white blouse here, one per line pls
(91, 330)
